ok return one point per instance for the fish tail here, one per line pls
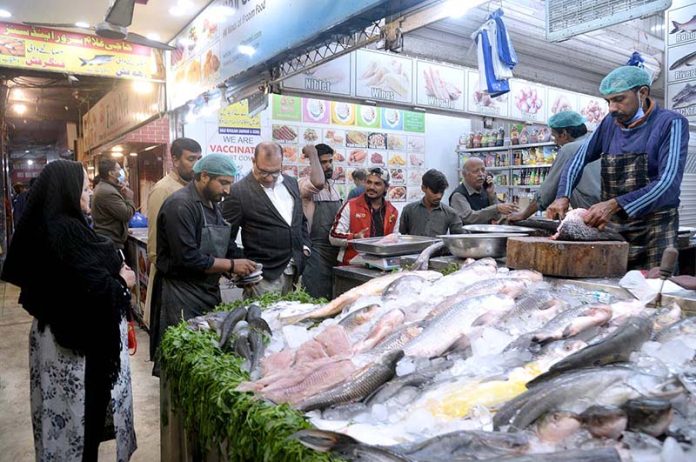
(323, 441)
(676, 27)
(84, 61)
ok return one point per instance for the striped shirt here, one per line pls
(663, 136)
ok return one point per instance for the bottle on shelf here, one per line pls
(477, 140)
(524, 139)
(501, 137)
(493, 139)
(470, 141)
(514, 136)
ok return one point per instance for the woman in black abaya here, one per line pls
(76, 286)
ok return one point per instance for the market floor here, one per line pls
(16, 442)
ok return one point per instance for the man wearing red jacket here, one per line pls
(368, 215)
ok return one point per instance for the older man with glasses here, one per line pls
(267, 206)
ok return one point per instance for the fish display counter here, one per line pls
(483, 363)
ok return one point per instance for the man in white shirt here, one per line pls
(266, 205)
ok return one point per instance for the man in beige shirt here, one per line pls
(185, 152)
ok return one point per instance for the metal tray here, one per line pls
(404, 246)
(498, 229)
(478, 245)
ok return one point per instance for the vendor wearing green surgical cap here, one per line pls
(643, 151)
(193, 248)
(569, 132)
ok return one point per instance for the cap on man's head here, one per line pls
(216, 164)
(382, 173)
(566, 119)
(623, 79)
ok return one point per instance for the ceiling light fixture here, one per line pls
(116, 154)
(26, 152)
(117, 148)
(150, 148)
(182, 8)
(133, 154)
(246, 50)
(457, 8)
(19, 108)
(5, 14)
(154, 36)
(82, 24)
(142, 87)
(30, 162)
(17, 93)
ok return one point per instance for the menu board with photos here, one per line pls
(528, 101)
(480, 102)
(362, 137)
(384, 76)
(440, 86)
(681, 59)
(561, 100)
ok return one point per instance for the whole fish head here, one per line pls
(556, 426)
(604, 421)
(649, 415)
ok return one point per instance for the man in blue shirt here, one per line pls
(643, 151)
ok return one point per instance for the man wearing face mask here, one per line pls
(193, 249)
(112, 203)
(320, 202)
(185, 152)
(368, 215)
(643, 150)
(266, 205)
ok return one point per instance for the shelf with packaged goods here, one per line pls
(521, 167)
(521, 186)
(461, 150)
(496, 169)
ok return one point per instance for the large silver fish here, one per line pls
(359, 385)
(617, 347)
(577, 390)
(455, 446)
(447, 327)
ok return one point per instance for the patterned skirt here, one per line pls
(58, 400)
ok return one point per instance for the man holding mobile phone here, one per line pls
(474, 199)
(112, 203)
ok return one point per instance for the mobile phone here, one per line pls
(487, 182)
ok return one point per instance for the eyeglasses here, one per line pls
(265, 174)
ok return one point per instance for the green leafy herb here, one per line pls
(203, 381)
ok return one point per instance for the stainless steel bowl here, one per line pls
(504, 229)
(478, 245)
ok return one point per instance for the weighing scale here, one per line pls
(383, 263)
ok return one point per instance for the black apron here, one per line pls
(184, 298)
(650, 234)
(317, 276)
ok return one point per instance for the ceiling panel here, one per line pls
(152, 17)
(577, 64)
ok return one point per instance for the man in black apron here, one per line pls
(193, 249)
(643, 149)
(320, 202)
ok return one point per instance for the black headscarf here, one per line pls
(68, 275)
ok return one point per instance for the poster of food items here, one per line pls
(401, 152)
(480, 102)
(440, 86)
(561, 100)
(528, 101)
(333, 77)
(681, 59)
(594, 109)
(195, 64)
(383, 76)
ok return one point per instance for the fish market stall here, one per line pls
(479, 364)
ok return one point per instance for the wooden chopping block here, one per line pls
(566, 258)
